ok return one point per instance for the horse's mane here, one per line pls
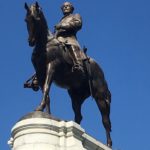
(45, 25)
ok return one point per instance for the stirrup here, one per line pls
(33, 84)
(77, 68)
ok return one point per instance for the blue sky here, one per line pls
(117, 35)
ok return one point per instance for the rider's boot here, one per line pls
(77, 64)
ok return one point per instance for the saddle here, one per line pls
(77, 57)
(32, 82)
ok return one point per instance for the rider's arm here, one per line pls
(74, 24)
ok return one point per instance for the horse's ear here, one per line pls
(37, 4)
(26, 6)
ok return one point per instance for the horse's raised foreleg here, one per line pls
(48, 80)
(105, 109)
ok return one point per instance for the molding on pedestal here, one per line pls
(47, 134)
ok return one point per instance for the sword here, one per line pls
(87, 64)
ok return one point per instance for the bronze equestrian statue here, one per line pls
(58, 59)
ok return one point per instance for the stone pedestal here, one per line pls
(41, 132)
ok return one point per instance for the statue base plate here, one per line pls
(39, 114)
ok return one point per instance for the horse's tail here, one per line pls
(108, 99)
(107, 94)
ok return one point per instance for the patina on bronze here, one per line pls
(53, 61)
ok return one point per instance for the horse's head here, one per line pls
(34, 19)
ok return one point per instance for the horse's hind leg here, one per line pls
(105, 110)
(77, 101)
(48, 105)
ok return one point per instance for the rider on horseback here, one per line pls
(65, 32)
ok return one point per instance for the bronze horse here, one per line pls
(53, 64)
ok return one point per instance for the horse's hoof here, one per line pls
(48, 111)
(109, 144)
(39, 108)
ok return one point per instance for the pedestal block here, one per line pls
(46, 133)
